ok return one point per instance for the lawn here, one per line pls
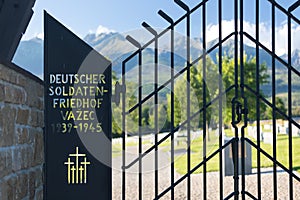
(282, 152)
(197, 155)
(213, 145)
(213, 164)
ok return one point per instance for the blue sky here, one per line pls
(83, 16)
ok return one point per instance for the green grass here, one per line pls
(213, 164)
(197, 156)
(282, 152)
(212, 145)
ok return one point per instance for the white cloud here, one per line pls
(281, 33)
(102, 29)
(40, 36)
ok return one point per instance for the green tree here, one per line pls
(116, 122)
(211, 81)
(163, 122)
(145, 115)
(116, 112)
(249, 73)
(180, 99)
(279, 105)
(196, 96)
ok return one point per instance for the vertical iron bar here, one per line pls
(236, 69)
(258, 103)
(204, 99)
(156, 128)
(156, 113)
(242, 73)
(188, 89)
(220, 101)
(274, 103)
(290, 106)
(123, 134)
(172, 111)
(170, 20)
(140, 93)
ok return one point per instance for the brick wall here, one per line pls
(21, 134)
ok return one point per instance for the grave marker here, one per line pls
(229, 167)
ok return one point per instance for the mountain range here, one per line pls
(115, 47)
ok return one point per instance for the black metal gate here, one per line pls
(239, 88)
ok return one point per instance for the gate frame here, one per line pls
(239, 87)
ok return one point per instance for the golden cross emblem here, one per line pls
(77, 170)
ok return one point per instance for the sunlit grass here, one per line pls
(282, 154)
(197, 156)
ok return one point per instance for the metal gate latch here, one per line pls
(118, 90)
(239, 111)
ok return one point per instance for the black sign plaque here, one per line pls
(77, 117)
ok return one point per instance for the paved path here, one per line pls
(196, 181)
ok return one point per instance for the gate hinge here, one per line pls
(118, 90)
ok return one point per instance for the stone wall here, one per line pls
(21, 134)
